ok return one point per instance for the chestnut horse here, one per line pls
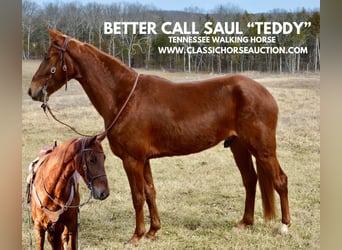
(155, 117)
(53, 188)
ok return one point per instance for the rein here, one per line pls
(122, 107)
(45, 106)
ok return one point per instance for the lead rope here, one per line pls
(30, 226)
(45, 106)
(78, 226)
(29, 212)
(122, 107)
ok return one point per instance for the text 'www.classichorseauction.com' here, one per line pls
(215, 38)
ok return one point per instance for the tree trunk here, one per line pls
(28, 40)
(317, 53)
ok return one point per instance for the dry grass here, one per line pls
(196, 212)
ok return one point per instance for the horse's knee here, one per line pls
(280, 183)
(150, 193)
(138, 200)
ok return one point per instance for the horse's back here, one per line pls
(228, 92)
(187, 117)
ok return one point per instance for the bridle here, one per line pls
(45, 105)
(89, 179)
(54, 67)
(54, 215)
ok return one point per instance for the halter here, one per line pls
(54, 215)
(89, 179)
(54, 68)
(64, 68)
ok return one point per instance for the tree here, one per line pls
(85, 22)
(315, 32)
(29, 12)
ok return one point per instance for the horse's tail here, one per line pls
(266, 184)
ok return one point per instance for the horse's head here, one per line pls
(92, 168)
(55, 69)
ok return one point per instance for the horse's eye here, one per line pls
(104, 157)
(93, 160)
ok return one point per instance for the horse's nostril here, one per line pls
(29, 92)
(103, 195)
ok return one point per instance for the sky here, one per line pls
(252, 6)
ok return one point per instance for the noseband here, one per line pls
(54, 68)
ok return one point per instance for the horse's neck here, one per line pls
(56, 179)
(106, 81)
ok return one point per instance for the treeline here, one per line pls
(85, 23)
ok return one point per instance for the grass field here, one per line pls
(200, 197)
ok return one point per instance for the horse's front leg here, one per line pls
(69, 238)
(40, 236)
(55, 235)
(135, 173)
(150, 193)
(65, 238)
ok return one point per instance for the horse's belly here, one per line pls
(191, 140)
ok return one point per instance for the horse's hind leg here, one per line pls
(280, 186)
(244, 162)
(271, 177)
(150, 194)
(269, 169)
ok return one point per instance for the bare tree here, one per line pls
(315, 32)
(29, 12)
(85, 22)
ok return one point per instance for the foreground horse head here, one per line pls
(91, 166)
(156, 117)
(53, 188)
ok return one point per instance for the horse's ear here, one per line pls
(55, 35)
(91, 140)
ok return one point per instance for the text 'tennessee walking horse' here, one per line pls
(162, 118)
(53, 188)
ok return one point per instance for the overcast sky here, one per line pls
(252, 6)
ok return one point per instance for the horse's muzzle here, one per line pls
(100, 194)
(38, 96)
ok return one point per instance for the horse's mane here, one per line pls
(105, 57)
(64, 152)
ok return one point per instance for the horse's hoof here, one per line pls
(242, 224)
(284, 229)
(151, 236)
(134, 240)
